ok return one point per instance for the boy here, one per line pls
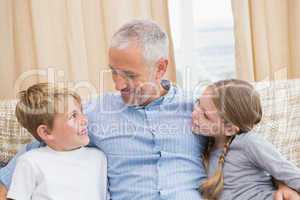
(64, 168)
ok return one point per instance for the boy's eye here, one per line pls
(74, 115)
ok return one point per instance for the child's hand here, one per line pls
(286, 193)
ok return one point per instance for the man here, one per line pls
(145, 130)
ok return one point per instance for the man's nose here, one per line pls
(120, 82)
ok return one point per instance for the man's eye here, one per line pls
(114, 72)
(131, 76)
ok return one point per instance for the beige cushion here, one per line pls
(281, 116)
(12, 136)
(280, 124)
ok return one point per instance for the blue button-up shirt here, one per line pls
(151, 151)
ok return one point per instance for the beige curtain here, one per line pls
(267, 39)
(66, 41)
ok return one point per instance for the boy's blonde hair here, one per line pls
(238, 103)
(38, 106)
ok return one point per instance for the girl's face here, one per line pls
(206, 119)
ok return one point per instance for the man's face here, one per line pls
(137, 82)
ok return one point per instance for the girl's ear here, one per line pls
(231, 130)
(44, 133)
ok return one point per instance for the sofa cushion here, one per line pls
(281, 116)
(12, 136)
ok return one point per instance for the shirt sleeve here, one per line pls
(7, 171)
(23, 181)
(265, 156)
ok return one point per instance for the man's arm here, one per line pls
(7, 171)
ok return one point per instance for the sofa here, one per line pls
(280, 123)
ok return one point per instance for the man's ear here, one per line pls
(44, 132)
(162, 65)
(231, 130)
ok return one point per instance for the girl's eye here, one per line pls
(204, 114)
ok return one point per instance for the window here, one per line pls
(203, 38)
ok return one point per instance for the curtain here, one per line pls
(66, 41)
(267, 36)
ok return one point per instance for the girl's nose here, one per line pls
(83, 120)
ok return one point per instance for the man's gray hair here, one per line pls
(150, 37)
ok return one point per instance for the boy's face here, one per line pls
(69, 129)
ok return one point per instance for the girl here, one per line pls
(240, 164)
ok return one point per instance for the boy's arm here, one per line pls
(7, 171)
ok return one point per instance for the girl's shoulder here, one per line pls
(249, 140)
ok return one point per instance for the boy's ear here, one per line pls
(43, 132)
(231, 130)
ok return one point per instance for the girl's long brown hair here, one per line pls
(238, 104)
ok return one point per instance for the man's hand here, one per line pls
(3, 192)
(285, 193)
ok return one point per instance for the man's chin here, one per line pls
(127, 99)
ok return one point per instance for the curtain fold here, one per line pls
(66, 41)
(267, 39)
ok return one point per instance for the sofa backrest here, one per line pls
(281, 116)
(12, 136)
(280, 124)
